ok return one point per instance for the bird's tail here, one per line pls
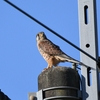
(67, 58)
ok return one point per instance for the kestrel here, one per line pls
(51, 52)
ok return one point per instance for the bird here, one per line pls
(52, 52)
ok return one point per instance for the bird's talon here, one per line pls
(45, 69)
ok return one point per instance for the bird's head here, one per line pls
(41, 36)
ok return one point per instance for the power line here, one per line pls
(40, 23)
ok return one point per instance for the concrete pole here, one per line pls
(59, 76)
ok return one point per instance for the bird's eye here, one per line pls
(42, 33)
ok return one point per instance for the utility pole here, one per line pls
(51, 80)
(89, 43)
(60, 83)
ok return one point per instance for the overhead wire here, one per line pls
(55, 33)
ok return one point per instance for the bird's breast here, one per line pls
(45, 55)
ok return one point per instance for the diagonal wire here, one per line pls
(40, 23)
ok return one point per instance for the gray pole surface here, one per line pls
(89, 43)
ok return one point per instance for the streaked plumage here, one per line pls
(51, 52)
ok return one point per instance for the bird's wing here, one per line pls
(48, 47)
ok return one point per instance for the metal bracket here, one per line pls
(39, 95)
(89, 43)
